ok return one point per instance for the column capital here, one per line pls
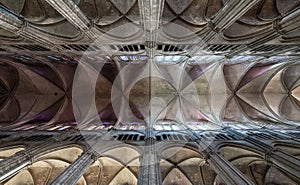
(93, 154)
(277, 27)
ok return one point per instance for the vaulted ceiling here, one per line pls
(206, 64)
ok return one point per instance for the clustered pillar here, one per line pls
(278, 158)
(149, 171)
(227, 172)
(73, 172)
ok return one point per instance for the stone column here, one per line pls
(73, 172)
(149, 171)
(15, 163)
(15, 24)
(280, 159)
(151, 15)
(228, 173)
(12, 165)
(225, 17)
(69, 10)
(280, 27)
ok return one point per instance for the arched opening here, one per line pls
(181, 165)
(120, 166)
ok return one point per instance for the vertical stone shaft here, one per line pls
(73, 172)
(228, 173)
(149, 171)
(280, 159)
(12, 165)
(15, 163)
(17, 25)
